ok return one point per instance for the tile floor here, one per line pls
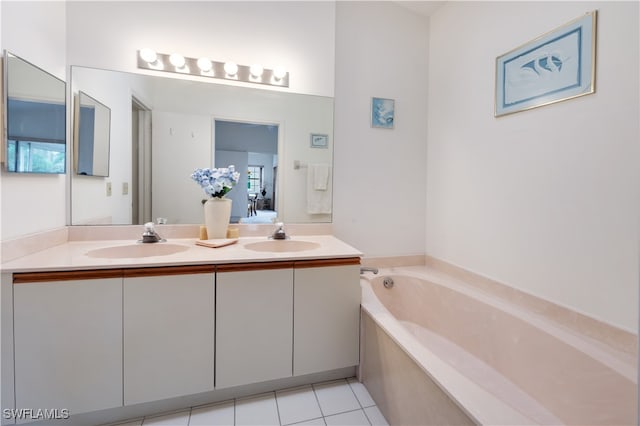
(339, 402)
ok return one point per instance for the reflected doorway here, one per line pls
(140, 163)
(253, 149)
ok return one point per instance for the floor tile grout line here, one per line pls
(345, 412)
(313, 387)
(303, 421)
(355, 395)
(367, 417)
(300, 388)
(275, 398)
(342, 412)
(350, 411)
(358, 399)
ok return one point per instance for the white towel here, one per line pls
(319, 189)
(320, 176)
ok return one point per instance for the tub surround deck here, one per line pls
(600, 331)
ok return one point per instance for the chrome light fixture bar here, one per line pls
(204, 67)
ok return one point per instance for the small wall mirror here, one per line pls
(35, 108)
(92, 136)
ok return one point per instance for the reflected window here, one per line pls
(255, 179)
(35, 157)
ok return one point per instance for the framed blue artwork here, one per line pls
(557, 66)
(382, 113)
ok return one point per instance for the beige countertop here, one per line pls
(73, 255)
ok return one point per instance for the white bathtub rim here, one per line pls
(481, 406)
(582, 343)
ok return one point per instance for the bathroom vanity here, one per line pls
(125, 334)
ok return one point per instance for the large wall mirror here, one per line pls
(35, 117)
(163, 128)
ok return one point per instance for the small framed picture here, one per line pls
(382, 113)
(319, 141)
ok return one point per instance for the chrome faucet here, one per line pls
(364, 269)
(150, 235)
(279, 233)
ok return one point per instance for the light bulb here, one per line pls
(279, 73)
(256, 70)
(231, 68)
(204, 64)
(177, 60)
(148, 55)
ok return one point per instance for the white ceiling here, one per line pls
(424, 8)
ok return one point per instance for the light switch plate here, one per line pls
(108, 189)
(125, 188)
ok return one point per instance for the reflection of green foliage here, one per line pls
(11, 156)
(36, 157)
(45, 161)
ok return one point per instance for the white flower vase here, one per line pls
(217, 213)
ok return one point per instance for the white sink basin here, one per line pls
(282, 246)
(137, 250)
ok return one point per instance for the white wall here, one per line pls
(35, 31)
(379, 177)
(299, 35)
(183, 143)
(545, 200)
(249, 137)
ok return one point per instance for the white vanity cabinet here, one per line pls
(108, 339)
(68, 340)
(168, 332)
(254, 323)
(326, 315)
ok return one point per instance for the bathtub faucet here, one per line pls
(364, 269)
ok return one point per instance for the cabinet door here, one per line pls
(68, 344)
(327, 318)
(168, 336)
(254, 320)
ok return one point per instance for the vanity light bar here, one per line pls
(200, 67)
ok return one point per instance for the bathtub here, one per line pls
(436, 351)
